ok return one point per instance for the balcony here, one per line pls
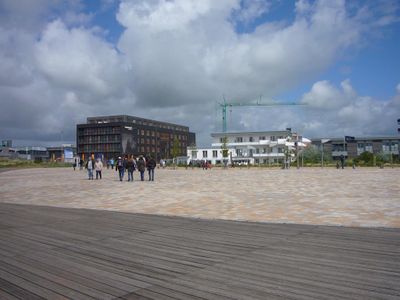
(339, 153)
(267, 155)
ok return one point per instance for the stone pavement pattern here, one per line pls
(361, 197)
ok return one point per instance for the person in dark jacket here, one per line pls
(120, 167)
(130, 166)
(342, 161)
(151, 165)
(141, 165)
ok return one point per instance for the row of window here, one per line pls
(101, 148)
(113, 138)
(99, 130)
(239, 152)
(151, 133)
(386, 147)
(266, 161)
(152, 141)
(240, 139)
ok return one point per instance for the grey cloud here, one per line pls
(174, 60)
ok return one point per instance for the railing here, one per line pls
(339, 153)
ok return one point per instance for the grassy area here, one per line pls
(18, 163)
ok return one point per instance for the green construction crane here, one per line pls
(225, 104)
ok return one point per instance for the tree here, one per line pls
(225, 151)
(175, 150)
(383, 157)
(366, 158)
(312, 155)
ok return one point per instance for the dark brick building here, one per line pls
(112, 136)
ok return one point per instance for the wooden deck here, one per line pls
(58, 253)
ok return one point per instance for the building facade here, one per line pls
(111, 136)
(265, 147)
(64, 153)
(354, 147)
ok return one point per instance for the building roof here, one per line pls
(358, 138)
(129, 119)
(276, 132)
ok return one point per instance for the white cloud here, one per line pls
(78, 59)
(250, 10)
(349, 112)
(175, 59)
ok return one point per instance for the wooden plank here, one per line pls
(6, 296)
(34, 291)
(77, 276)
(72, 285)
(101, 254)
(10, 291)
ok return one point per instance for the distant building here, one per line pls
(264, 147)
(32, 153)
(354, 147)
(9, 153)
(63, 153)
(111, 136)
(6, 143)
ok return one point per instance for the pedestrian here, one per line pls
(99, 167)
(81, 164)
(141, 165)
(120, 168)
(162, 163)
(112, 163)
(89, 167)
(342, 161)
(151, 165)
(131, 166)
(74, 165)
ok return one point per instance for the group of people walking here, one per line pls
(122, 166)
(131, 164)
(94, 165)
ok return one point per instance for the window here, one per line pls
(194, 154)
(257, 150)
(395, 147)
(205, 154)
(261, 138)
(386, 147)
(273, 138)
(368, 147)
(251, 139)
(215, 153)
(238, 152)
(239, 139)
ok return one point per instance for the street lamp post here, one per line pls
(323, 141)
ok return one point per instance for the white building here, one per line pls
(265, 147)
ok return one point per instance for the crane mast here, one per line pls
(226, 104)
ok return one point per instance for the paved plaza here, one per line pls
(363, 197)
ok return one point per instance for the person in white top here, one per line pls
(98, 166)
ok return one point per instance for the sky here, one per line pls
(174, 60)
